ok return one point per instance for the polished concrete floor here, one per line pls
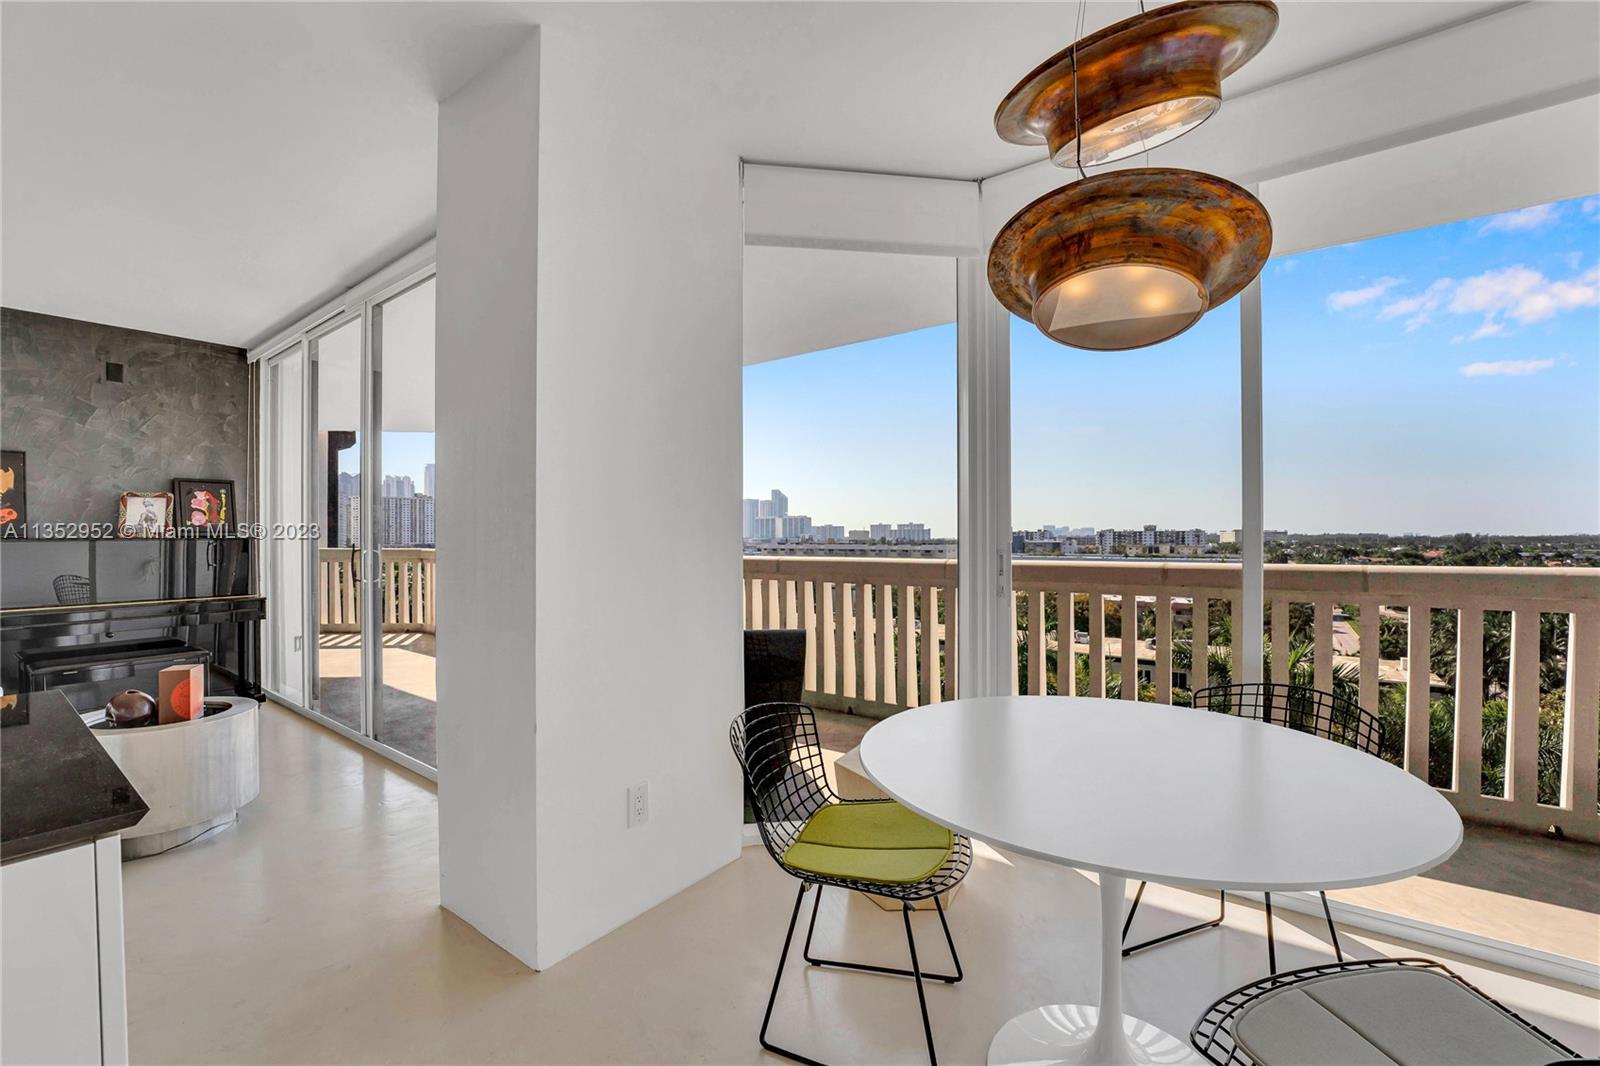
(311, 932)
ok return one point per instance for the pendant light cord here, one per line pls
(1077, 124)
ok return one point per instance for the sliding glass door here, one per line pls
(402, 539)
(284, 513)
(339, 667)
(348, 457)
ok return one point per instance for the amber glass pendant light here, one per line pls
(1131, 258)
(1136, 84)
(1134, 257)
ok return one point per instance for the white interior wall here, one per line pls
(486, 321)
(638, 663)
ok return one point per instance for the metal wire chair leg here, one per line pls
(947, 978)
(778, 978)
(1333, 932)
(1272, 951)
(1129, 949)
(922, 1000)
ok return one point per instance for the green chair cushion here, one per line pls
(879, 842)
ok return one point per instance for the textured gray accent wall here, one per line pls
(182, 410)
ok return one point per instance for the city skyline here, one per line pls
(1478, 341)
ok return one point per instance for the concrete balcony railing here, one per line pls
(883, 633)
(410, 576)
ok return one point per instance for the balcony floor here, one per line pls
(319, 938)
(1521, 888)
(409, 713)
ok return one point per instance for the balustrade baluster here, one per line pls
(1163, 665)
(886, 685)
(1522, 727)
(1419, 688)
(1036, 642)
(1467, 778)
(1130, 646)
(1370, 636)
(1581, 733)
(1280, 641)
(1097, 643)
(908, 646)
(1322, 647)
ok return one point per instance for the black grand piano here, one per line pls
(94, 617)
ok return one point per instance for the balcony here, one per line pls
(408, 714)
(1507, 735)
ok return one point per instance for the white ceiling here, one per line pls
(800, 300)
(406, 385)
(212, 170)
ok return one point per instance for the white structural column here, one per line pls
(1247, 628)
(488, 254)
(983, 388)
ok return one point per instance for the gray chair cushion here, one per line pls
(1412, 1017)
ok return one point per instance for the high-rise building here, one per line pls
(408, 521)
(827, 533)
(794, 527)
(880, 531)
(911, 533)
(430, 480)
(399, 485)
(349, 520)
(752, 511)
(780, 504)
(765, 528)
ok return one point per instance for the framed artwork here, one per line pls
(13, 494)
(144, 514)
(203, 503)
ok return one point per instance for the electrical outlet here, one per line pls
(638, 804)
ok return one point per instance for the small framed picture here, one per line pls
(13, 493)
(203, 503)
(144, 514)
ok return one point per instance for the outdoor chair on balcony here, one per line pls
(872, 846)
(1388, 1011)
(1297, 707)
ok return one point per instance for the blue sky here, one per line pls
(1440, 380)
(403, 453)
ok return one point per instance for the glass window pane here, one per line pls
(850, 475)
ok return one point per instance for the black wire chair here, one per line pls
(1298, 707)
(1214, 1034)
(71, 589)
(785, 783)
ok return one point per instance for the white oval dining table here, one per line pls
(1168, 794)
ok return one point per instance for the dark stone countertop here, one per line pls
(58, 787)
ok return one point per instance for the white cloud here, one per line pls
(1485, 329)
(1525, 294)
(1590, 207)
(1517, 294)
(1348, 298)
(1507, 368)
(1529, 218)
(1418, 310)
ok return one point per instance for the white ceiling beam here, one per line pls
(1537, 158)
(797, 207)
